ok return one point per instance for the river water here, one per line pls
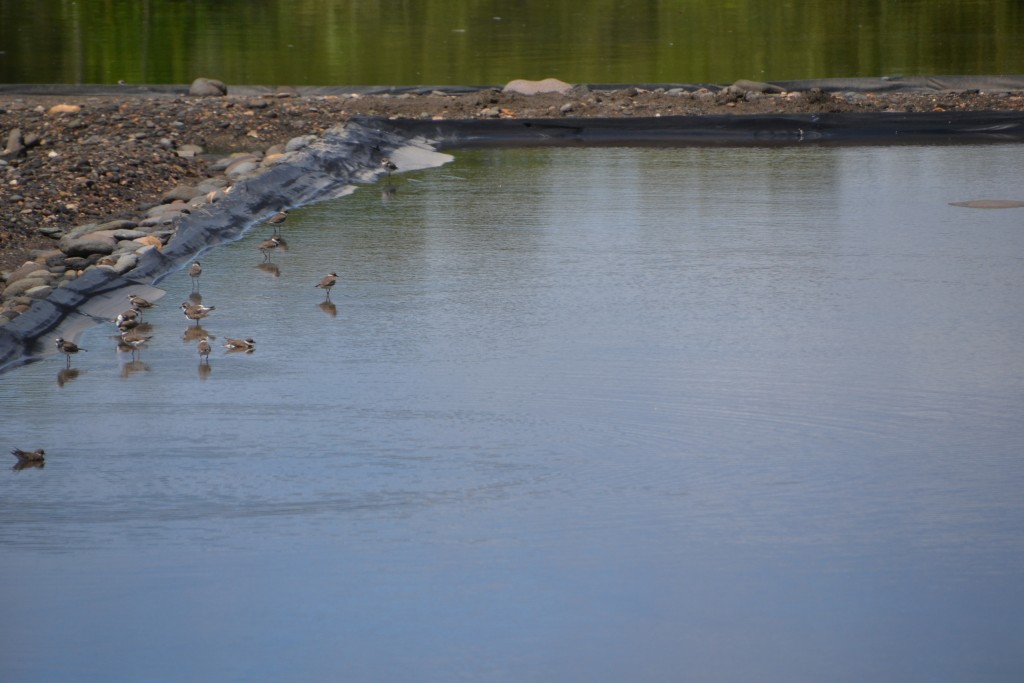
(481, 42)
(594, 414)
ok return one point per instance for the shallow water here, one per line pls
(579, 414)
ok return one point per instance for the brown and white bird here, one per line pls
(277, 219)
(388, 166)
(134, 340)
(240, 344)
(27, 459)
(327, 282)
(194, 271)
(266, 246)
(38, 455)
(138, 303)
(68, 348)
(127, 319)
(196, 311)
(204, 349)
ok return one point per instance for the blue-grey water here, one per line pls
(595, 414)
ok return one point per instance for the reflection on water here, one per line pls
(469, 42)
(601, 414)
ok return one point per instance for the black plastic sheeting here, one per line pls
(342, 156)
(759, 130)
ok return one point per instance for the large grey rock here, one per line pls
(207, 87)
(524, 87)
(180, 192)
(40, 292)
(128, 234)
(93, 243)
(189, 150)
(25, 270)
(125, 263)
(242, 167)
(18, 288)
(299, 142)
(120, 224)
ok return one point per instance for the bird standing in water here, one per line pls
(277, 219)
(68, 348)
(328, 282)
(194, 271)
(204, 349)
(138, 303)
(267, 245)
(196, 311)
(134, 340)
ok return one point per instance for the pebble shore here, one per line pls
(94, 181)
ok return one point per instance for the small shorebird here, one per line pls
(134, 340)
(204, 349)
(240, 344)
(267, 245)
(194, 271)
(277, 219)
(68, 348)
(388, 166)
(130, 316)
(138, 303)
(38, 455)
(196, 311)
(328, 282)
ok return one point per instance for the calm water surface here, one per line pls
(469, 42)
(576, 415)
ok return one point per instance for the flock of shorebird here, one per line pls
(132, 330)
(131, 327)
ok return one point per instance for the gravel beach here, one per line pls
(68, 161)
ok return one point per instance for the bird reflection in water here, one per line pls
(268, 267)
(66, 375)
(129, 365)
(26, 464)
(194, 333)
(328, 307)
(204, 370)
(195, 298)
(387, 193)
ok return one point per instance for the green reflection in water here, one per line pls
(352, 42)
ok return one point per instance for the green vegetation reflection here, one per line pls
(404, 42)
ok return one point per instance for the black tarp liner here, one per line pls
(758, 130)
